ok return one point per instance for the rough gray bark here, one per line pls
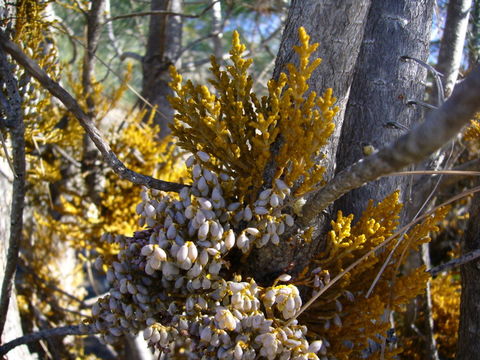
(339, 47)
(453, 40)
(468, 345)
(163, 50)
(377, 111)
(382, 85)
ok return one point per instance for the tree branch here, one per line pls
(72, 105)
(17, 131)
(440, 126)
(45, 334)
(161, 12)
(472, 255)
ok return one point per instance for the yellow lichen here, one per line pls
(343, 314)
(472, 135)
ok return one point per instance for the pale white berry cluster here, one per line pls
(170, 280)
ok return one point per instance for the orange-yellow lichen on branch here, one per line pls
(237, 129)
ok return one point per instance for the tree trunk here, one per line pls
(90, 154)
(468, 345)
(453, 40)
(163, 50)
(339, 47)
(377, 112)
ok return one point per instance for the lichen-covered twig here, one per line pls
(71, 104)
(440, 126)
(13, 111)
(45, 334)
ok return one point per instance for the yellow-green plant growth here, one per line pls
(237, 129)
(351, 321)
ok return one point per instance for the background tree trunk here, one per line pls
(163, 49)
(468, 345)
(217, 30)
(453, 40)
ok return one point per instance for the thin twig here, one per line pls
(17, 132)
(436, 74)
(160, 12)
(6, 176)
(45, 334)
(131, 55)
(71, 104)
(404, 253)
(87, 303)
(440, 126)
(421, 103)
(455, 262)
